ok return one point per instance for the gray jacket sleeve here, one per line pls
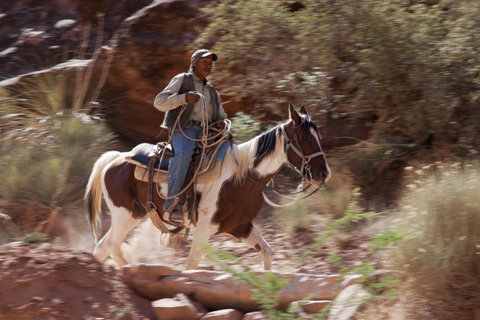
(169, 98)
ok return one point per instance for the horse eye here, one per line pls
(305, 138)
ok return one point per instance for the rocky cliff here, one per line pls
(148, 40)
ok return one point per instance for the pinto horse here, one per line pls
(227, 205)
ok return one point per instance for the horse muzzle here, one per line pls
(324, 177)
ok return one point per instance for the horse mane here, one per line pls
(249, 154)
(265, 145)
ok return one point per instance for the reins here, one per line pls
(282, 194)
(222, 134)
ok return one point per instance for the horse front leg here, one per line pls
(203, 231)
(256, 241)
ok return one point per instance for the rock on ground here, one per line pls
(347, 302)
(225, 314)
(179, 307)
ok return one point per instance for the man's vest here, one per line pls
(187, 86)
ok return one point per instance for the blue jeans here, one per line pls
(184, 149)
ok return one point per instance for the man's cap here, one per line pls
(202, 53)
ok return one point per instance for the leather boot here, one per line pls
(176, 217)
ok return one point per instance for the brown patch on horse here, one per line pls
(121, 186)
(139, 210)
(239, 205)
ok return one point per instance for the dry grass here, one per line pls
(440, 259)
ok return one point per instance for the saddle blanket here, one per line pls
(210, 170)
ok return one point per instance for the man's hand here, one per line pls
(192, 97)
(221, 124)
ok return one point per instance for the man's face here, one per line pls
(203, 67)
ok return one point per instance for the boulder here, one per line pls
(225, 314)
(314, 306)
(178, 308)
(216, 290)
(257, 315)
(347, 302)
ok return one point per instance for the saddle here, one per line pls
(152, 167)
(209, 170)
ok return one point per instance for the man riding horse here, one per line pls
(187, 89)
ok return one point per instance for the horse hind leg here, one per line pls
(100, 251)
(122, 224)
(255, 240)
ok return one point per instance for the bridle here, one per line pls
(304, 170)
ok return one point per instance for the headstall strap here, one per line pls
(299, 151)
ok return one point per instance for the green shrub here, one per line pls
(408, 67)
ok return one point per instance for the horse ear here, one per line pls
(304, 110)
(297, 120)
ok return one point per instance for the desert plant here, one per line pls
(439, 260)
(46, 151)
(48, 169)
(49, 142)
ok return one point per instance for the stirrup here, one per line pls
(175, 217)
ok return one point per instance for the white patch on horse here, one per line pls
(122, 224)
(256, 241)
(203, 232)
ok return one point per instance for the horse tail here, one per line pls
(93, 192)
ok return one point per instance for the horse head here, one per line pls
(302, 147)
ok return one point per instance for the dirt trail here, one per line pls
(42, 281)
(45, 281)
